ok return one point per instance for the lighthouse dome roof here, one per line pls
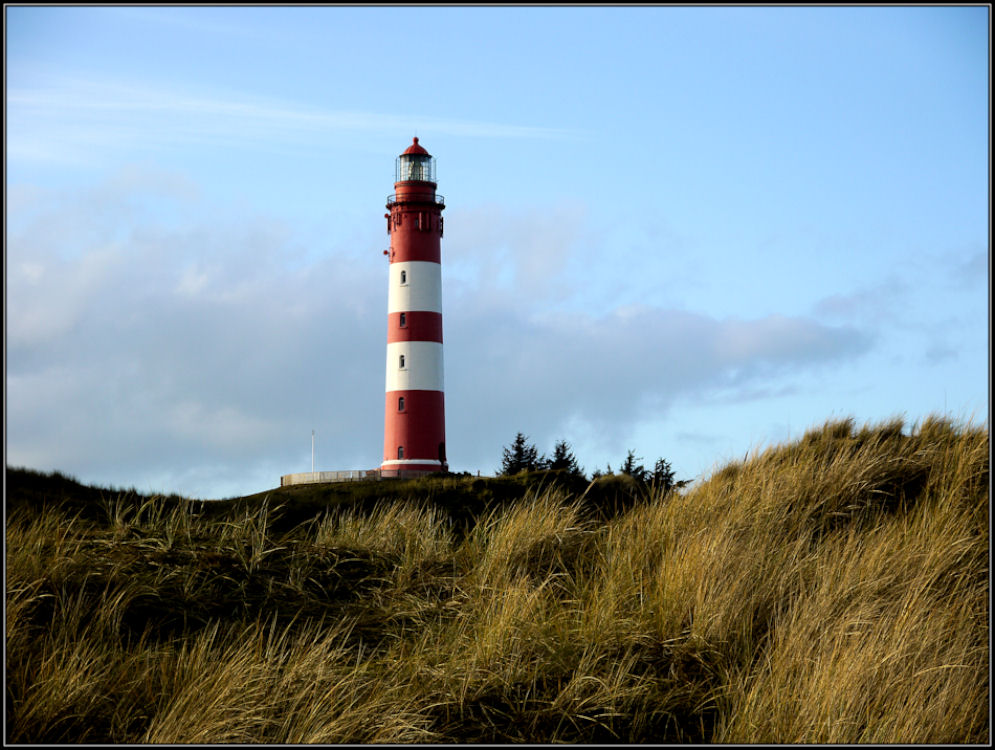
(414, 148)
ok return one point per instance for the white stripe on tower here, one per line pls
(421, 290)
(414, 366)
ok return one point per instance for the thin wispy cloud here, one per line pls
(65, 119)
(199, 21)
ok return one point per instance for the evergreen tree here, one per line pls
(663, 475)
(634, 470)
(563, 459)
(520, 456)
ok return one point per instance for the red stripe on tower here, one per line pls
(414, 409)
(414, 325)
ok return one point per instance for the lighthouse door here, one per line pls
(442, 452)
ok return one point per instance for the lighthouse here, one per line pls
(414, 439)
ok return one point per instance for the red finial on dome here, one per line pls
(414, 148)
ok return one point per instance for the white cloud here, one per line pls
(154, 351)
(225, 427)
(968, 270)
(46, 301)
(545, 255)
(192, 282)
(880, 301)
(613, 371)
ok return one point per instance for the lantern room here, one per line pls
(414, 165)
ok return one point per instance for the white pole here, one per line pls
(312, 452)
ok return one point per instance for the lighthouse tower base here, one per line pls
(414, 469)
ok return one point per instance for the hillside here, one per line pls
(830, 590)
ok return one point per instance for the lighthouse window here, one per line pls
(400, 452)
(401, 362)
(404, 320)
(400, 403)
(404, 277)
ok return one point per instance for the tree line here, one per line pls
(523, 456)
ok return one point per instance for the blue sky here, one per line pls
(688, 231)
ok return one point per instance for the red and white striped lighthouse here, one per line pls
(414, 439)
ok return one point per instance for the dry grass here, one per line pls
(834, 590)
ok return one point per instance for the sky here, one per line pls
(690, 232)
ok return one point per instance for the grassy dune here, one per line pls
(832, 590)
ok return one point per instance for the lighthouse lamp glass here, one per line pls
(415, 167)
